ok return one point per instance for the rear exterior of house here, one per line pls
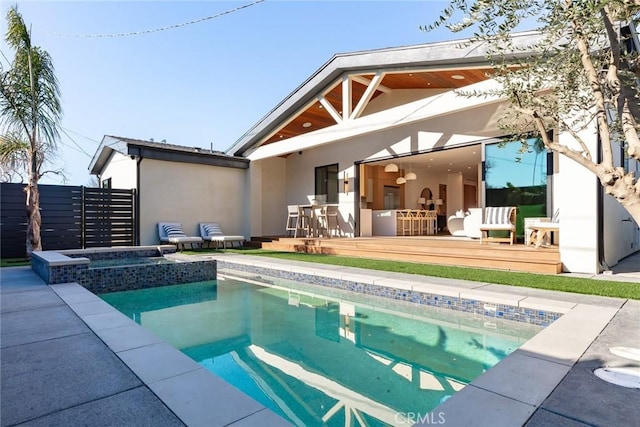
(331, 138)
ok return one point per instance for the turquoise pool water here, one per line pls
(324, 359)
(120, 262)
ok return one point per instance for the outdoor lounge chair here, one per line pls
(211, 232)
(171, 232)
(501, 218)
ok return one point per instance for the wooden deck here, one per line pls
(443, 250)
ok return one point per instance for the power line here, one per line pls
(154, 30)
(79, 148)
(84, 136)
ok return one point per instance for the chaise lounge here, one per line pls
(212, 232)
(171, 232)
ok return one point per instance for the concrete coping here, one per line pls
(56, 259)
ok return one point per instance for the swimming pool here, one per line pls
(320, 359)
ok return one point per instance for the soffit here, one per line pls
(315, 116)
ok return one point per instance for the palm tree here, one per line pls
(30, 114)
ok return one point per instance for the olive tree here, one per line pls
(30, 114)
(580, 72)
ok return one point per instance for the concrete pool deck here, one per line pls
(68, 358)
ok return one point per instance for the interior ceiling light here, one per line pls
(410, 176)
(457, 76)
(306, 125)
(400, 180)
(391, 167)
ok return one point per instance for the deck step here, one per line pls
(431, 251)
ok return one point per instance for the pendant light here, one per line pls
(391, 167)
(411, 175)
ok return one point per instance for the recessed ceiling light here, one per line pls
(468, 167)
(320, 106)
(450, 164)
(448, 170)
(457, 76)
(306, 125)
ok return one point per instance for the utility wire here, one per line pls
(79, 148)
(79, 134)
(154, 30)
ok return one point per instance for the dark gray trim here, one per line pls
(186, 157)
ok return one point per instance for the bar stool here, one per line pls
(328, 221)
(297, 220)
(404, 222)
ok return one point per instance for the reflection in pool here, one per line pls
(320, 360)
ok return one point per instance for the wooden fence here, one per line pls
(72, 217)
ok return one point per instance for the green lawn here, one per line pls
(539, 281)
(530, 280)
(13, 262)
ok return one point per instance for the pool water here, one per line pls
(324, 360)
(120, 262)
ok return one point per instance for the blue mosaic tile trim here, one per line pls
(67, 273)
(126, 278)
(500, 311)
(41, 268)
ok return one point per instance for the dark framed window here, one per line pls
(517, 177)
(106, 183)
(326, 187)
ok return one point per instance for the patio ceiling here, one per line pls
(316, 116)
(463, 160)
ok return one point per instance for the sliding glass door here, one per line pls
(516, 175)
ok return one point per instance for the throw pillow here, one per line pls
(173, 230)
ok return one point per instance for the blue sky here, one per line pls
(202, 83)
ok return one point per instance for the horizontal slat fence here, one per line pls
(72, 217)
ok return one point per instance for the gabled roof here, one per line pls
(458, 57)
(160, 151)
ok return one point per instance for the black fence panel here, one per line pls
(108, 217)
(72, 217)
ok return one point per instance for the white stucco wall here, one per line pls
(398, 97)
(122, 171)
(267, 203)
(575, 196)
(191, 193)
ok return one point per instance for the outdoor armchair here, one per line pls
(501, 218)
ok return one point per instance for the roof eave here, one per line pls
(420, 56)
